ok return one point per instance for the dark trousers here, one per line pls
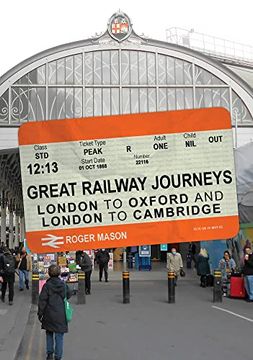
(87, 281)
(8, 279)
(103, 267)
(203, 280)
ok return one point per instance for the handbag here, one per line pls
(182, 273)
(68, 307)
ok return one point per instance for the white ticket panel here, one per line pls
(128, 180)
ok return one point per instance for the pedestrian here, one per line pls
(203, 267)
(174, 263)
(24, 262)
(51, 312)
(248, 272)
(1, 256)
(227, 266)
(103, 258)
(84, 261)
(192, 251)
(7, 273)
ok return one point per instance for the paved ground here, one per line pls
(149, 328)
(13, 321)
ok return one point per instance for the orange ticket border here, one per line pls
(158, 123)
(141, 234)
(103, 127)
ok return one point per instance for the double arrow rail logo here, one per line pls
(52, 240)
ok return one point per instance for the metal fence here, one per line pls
(214, 46)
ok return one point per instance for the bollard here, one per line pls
(35, 288)
(171, 287)
(126, 289)
(217, 286)
(81, 299)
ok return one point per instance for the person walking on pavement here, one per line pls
(24, 262)
(7, 273)
(1, 259)
(84, 261)
(51, 312)
(103, 258)
(248, 272)
(174, 263)
(203, 267)
(192, 252)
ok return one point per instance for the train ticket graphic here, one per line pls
(128, 180)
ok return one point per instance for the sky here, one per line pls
(30, 26)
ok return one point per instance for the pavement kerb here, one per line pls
(15, 333)
(30, 317)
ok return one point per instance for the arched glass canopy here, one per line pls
(104, 76)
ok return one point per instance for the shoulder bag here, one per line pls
(68, 306)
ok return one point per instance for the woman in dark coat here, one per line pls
(51, 312)
(203, 267)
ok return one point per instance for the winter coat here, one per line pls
(174, 262)
(1, 264)
(202, 265)
(226, 267)
(10, 259)
(103, 257)
(85, 262)
(51, 309)
(248, 266)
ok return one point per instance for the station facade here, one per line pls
(118, 72)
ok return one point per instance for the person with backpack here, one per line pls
(51, 312)
(24, 262)
(102, 259)
(7, 273)
(84, 261)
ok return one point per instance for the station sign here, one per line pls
(163, 247)
(145, 251)
(128, 180)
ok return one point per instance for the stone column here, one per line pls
(17, 227)
(11, 230)
(22, 227)
(3, 217)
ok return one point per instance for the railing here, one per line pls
(214, 46)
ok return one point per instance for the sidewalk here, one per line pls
(149, 328)
(13, 320)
